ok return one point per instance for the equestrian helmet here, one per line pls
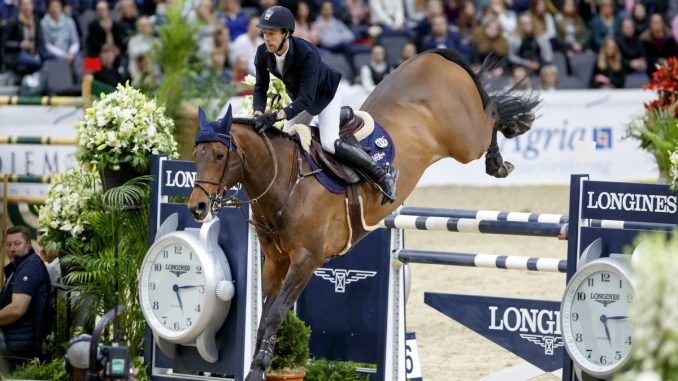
(277, 17)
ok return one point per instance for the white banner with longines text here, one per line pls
(576, 131)
(34, 159)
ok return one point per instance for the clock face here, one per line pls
(596, 323)
(172, 287)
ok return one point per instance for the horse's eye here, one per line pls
(220, 156)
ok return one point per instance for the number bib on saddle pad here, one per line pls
(378, 144)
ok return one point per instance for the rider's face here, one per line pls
(272, 38)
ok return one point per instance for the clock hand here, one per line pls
(175, 288)
(603, 319)
(617, 317)
(182, 287)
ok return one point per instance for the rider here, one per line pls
(313, 87)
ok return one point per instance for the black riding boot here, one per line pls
(384, 176)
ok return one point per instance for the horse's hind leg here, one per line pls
(298, 275)
(494, 163)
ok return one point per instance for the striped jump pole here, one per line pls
(469, 225)
(511, 262)
(35, 179)
(545, 218)
(14, 100)
(42, 140)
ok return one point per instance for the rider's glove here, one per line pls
(264, 121)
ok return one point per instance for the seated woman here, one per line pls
(631, 48)
(374, 71)
(571, 31)
(528, 49)
(608, 71)
(489, 39)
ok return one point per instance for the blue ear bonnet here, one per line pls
(215, 131)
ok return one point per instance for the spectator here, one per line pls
(604, 25)
(103, 31)
(489, 40)
(453, 9)
(374, 71)
(549, 78)
(442, 37)
(631, 49)
(658, 42)
(608, 71)
(24, 298)
(111, 73)
(639, 16)
(222, 41)
(415, 11)
(507, 19)
(519, 79)
(246, 45)
(50, 258)
(408, 51)
(219, 67)
(234, 18)
(468, 19)
(542, 20)
(357, 15)
(674, 28)
(23, 41)
(7, 12)
(332, 33)
(240, 71)
(303, 25)
(61, 36)
(140, 44)
(204, 17)
(528, 49)
(423, 29)
(127, 18)
(388, 14)
(149, 76)
(571, 31)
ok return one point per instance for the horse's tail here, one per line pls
(513, 111)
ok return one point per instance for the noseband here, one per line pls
(218, 199)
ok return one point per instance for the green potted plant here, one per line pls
(291, 352)
(119, 134)
(328, 370)
(657, 129)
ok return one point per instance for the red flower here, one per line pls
(665, 83)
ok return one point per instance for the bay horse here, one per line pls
(433, 106)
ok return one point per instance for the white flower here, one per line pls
(275, 87)
(116, 126)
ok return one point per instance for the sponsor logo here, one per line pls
(25, 278)
(268, 14)
(605, 299)
(178, 269)
(541, 327)
(381, 142)
(603, 137)
(632, 202)
(378, 156)
(181, 179)
(340, 278)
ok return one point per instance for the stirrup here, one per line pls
(393, 173)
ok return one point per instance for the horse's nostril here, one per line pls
(199, 211)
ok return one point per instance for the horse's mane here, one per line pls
(244, 121)
(452, 55)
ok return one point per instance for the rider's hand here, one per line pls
(264, 121)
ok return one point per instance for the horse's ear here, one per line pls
(202, 118)
(227, 120)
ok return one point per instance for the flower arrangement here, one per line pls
(276, 87)
(70, 196)
(655, 353)
(674, 171)
(124, 127)
(657, 130)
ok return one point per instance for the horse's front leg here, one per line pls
(297, 277)
(275, 268)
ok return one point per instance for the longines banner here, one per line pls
(36, 159)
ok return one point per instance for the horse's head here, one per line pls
(218, 166)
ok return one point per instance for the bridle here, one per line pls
(218, 199)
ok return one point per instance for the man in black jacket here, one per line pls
(23, 299)
(313, 87)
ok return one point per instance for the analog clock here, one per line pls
(596, 325)
(185, 288)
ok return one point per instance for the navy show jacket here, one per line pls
(310, 83)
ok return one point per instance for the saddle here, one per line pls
(349, 125)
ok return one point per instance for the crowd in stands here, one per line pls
(556, 44)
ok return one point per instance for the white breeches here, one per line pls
(328, 120)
